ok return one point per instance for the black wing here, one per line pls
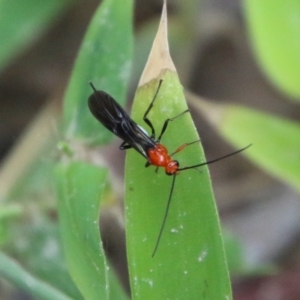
(108, 112)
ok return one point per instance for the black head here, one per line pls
(172, 167)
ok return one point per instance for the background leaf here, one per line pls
(39, 289)
(101, 62)
(80, 187)
(274, 28)
(275, 147)
(21, 22)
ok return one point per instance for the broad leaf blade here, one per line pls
(275, 146)
(21, 22)
(274, 30)
(14, 273)
(190, 261)
(80, 187)
(105, 60)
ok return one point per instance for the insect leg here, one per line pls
(146, 120)
(147, 164)
(184, 146)
(125, 146)
(165, 216)
(166, 123)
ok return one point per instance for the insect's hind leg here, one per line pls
(146, 120)
(166, 123)
(183, 146)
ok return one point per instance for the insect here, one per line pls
(108, 112)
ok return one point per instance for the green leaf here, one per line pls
(274, 29)
(190, 261)
(8, 212)
(105, 60)
(14, 273)
(234, 253)
(116, 290)
(80, 187)
(38, 247)
(276, 146)
(21, 22)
